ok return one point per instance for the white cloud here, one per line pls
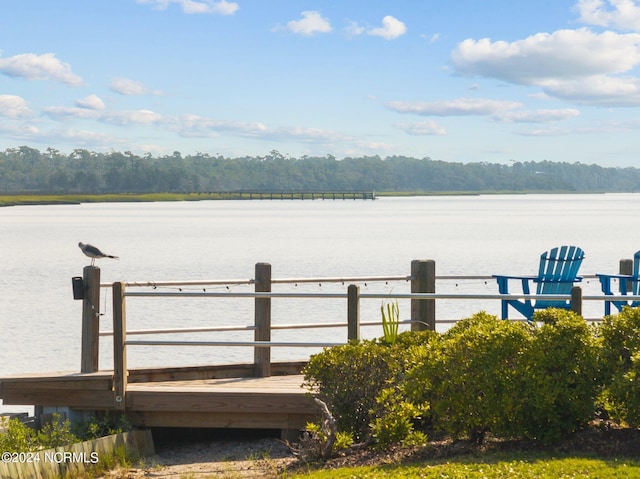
(624, 14)
(353, 29)
(311, 22)
(457, 107)
(562, 54)
(597, 90)
(126, 86)
(572, 64)
(12, 106)
(536, 116)
(62, 112)
(221, 7)
(503, 111)
(421, 128)
(391, 29)
(91, 102)
(141, 117)
(39, 67)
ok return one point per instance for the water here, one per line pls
(465, 235)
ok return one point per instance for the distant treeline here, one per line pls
(27, 170)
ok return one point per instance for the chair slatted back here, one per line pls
(557, 273)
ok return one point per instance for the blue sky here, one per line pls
(483, 80)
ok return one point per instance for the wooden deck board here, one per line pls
(272, 402)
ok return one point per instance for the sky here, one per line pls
(495, 81)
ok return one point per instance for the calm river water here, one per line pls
(465, 235)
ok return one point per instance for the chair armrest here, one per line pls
(605, 282)
(503, 282)
(617, 276)
(577, 279)
(513, 277)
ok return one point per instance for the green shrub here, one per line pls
(395, 419)
(56, 433)
(102, 424)
(21, 438)
(17, 437)
(620, 365)
(350, 378)
(468, 377)
(559, 378)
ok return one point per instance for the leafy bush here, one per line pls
(620, 365)
(21, 438)
(17, 437)
(559, 376)
(59, 432)
(470, 378)
(539, 380)
(102, 424)
(350, 378)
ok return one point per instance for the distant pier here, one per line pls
(303, 195)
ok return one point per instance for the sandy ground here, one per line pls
(217, 458)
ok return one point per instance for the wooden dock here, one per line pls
(220, 396)
(303, 195)
(260, 395)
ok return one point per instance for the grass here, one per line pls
(14, 200)
(36, 199)
(492, 466)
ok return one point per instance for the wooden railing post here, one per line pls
(262, 356)
(626, 267)
(423, 280)
(90, 320)
(119, 347)
(576, 300)
(353, 312)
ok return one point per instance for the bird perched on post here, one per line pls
(94, 253)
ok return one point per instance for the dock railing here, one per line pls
(422, 298)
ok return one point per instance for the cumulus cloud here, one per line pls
(618, 14)
(221, 7)
(599, 90)
(126, 86)
(391, 29)
(456, 107)
(310, 23)
(421, 128)
(39, 67)
(12, 106)
(562, 54)
(91, 102)
(580, 65)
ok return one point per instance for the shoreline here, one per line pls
(77, 199)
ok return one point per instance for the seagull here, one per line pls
(94, 253)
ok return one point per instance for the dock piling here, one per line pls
(262, 356)
(90, 319)
(423, 280)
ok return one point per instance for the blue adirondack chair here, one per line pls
(627, 285)
(557, 273)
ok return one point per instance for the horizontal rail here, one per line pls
(252, 344)
(245, 328)
(336, 279)
(230, 294)
(481, 296)
(184, 330)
